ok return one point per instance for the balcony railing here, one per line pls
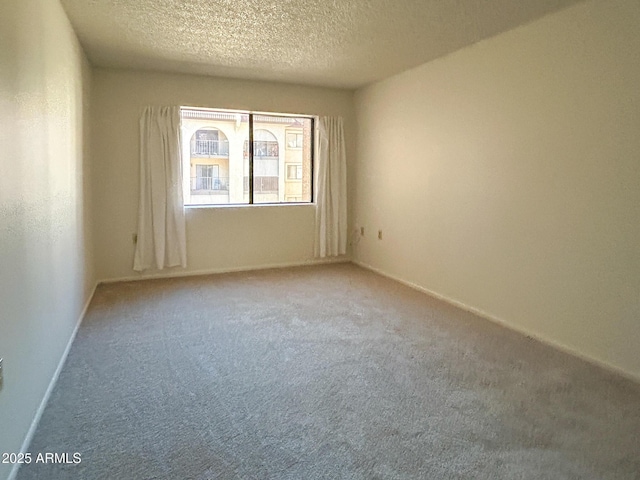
(262, 184)
(262, 149)
(210, 148)
(209, 185)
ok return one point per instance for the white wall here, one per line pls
(217, 238)
(46, 273)
(506, 176)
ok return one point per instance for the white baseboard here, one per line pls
(169, 273)
(516, 328)
(36, 418)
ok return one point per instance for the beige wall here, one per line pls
(217, 238)
(506, 176)
(46, 255)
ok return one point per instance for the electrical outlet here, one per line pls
(379, 234)
(362, 231)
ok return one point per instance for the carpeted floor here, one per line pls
(328, 372)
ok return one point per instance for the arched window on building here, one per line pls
(209, 142)
(265, 144)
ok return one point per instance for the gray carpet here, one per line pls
(323, 372)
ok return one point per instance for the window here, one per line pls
(265, 144)
(209, 142)
(295, 139)
(221, 166)
(205, 175)
(294, 172)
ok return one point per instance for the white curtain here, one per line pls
(161, 225)
(331, 189)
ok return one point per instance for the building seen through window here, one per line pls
(217, 160)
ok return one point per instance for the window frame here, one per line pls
(297, 172)
(286, 141)
(251, 114)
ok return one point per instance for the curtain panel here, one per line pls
(161, 220)
(331, 189)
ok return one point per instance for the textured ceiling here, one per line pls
(337, 43)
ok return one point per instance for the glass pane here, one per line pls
(282, 159)
(214, 161)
